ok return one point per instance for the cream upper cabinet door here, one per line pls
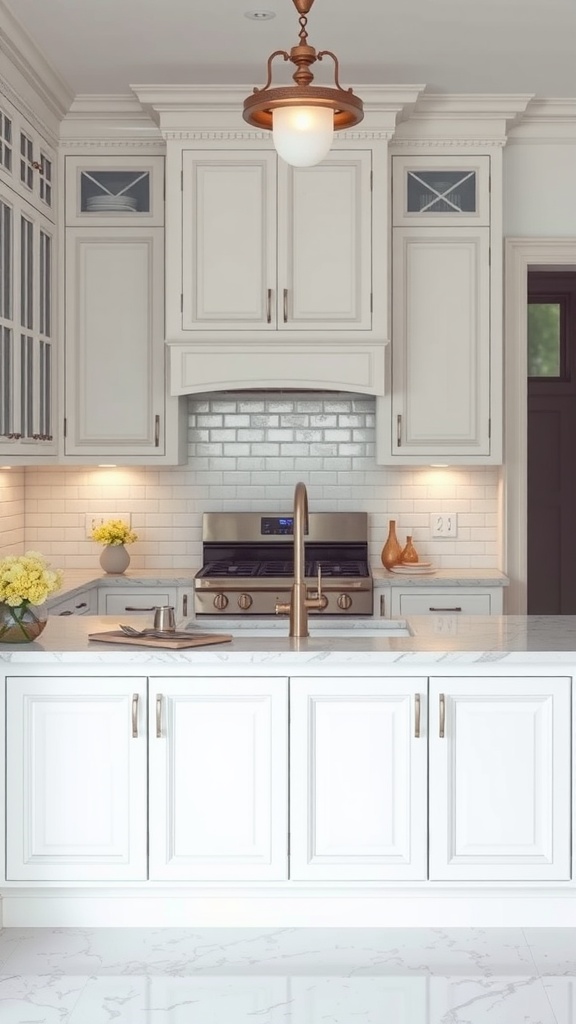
(228, 240)
(441, 191)
(358, 779)
(76, 779)
(500, 767)
(267, 247)
(27, 161)
(218, 779)
(115, 375)
(440, 382)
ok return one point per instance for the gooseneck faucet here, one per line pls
(299, 600)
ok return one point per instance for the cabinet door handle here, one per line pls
(399, 430)
(285, 305)
(417, 716)
(269, 306)
(442, 729)
(185, 605)
(82, 604)
(156, 431)
(135, 716)
(445, 609)
(129, 608)
(159, 716)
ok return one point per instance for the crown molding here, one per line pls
(43, 96)
(185, 108)
(110, 117)
(463, 117)
(405, 146)
(547, 121)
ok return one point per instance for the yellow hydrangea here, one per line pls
(114, 531)
(27, 579)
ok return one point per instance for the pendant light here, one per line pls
(303, 117)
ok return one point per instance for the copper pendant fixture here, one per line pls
(335, 108)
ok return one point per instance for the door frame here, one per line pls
(520, 256)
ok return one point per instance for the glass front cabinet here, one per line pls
(115, 191)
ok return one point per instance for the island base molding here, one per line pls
(369, 908)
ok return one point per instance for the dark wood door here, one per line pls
(551, 443)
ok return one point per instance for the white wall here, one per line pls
(246, 452)
(539, 189)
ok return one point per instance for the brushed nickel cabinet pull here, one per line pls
(159, 716)
(442, 729)
(269, 306)
(156, 431)
(445, 609)
(129, 608)
(185, 605)
(135, 716)
(285, 303)
(417, 716)
(399, 430)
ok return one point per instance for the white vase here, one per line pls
(114, 559)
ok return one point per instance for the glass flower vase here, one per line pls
(21, 624)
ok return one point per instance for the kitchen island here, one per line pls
(421, 779)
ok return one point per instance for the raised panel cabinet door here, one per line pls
(229, 240)
(76, 779)
(500, 758)
(115, 376)
(441, 355)
(218, 779)
(325, 244)
(358, 779)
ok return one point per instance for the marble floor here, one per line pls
(287, 976)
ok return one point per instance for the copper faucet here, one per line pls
(299, 600)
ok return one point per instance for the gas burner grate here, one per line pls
(223, 569)
(339, 569)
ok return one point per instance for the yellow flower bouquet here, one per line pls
(114, 531)
(25, 582)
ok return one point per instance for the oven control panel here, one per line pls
(277, 526)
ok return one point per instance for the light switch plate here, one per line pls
(93, 519)
(443, 524)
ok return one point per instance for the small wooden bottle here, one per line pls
(391, 552)
(409, 554)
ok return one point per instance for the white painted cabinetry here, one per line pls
(76, 779)
(117, 407)
(500, 769)
(358, 778)
(218, 779)
(446, 601)
(444, 397)
(127, 600)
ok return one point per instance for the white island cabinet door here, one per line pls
(500, 756)
(218, 778)
(358, 779)
(76, 779)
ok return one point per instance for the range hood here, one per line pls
(197, 368)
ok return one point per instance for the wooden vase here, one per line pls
(391, 552)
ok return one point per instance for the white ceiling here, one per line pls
(476, 46)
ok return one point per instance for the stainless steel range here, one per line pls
(248, 563)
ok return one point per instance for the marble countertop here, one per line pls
(442, 641)
(442, 578)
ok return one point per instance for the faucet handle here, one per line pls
(319, 600)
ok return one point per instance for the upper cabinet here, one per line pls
(268, 247)
(27, 161)
(117, 407)
(443, 397)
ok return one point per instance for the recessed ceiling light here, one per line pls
(259, 15)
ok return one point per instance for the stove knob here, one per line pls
(244, 601)
(344, 602)
(220, 602)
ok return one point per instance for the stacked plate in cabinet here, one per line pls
(111, 204)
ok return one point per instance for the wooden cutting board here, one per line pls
(116, 636)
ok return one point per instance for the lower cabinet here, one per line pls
(451, 779)
(358, 778)
(500, 768)
(76, 779)
(129, 600)
(218, 778)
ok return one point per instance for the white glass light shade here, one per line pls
(302, 135)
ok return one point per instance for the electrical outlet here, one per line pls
(443, 524)
(93, 519)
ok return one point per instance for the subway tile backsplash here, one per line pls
(246, 452)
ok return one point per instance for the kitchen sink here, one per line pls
(278, 628)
